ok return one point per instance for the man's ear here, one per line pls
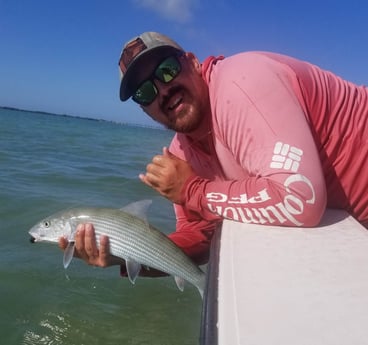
(191, 58)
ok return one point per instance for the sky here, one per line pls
(62, 56)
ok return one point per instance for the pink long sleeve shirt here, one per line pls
(283, 140)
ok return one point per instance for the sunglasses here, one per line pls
(165, 72)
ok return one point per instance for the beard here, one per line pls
(189, 117)
(186, 121)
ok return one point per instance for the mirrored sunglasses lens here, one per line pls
(168, 70)
(146, 93)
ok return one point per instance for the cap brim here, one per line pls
(128, 85)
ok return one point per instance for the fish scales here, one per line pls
(144, 252)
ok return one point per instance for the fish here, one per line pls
(131, 238)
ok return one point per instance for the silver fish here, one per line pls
(131, 238)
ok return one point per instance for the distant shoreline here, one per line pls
(81, 117)
(52, 114)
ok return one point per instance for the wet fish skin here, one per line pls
(130, 236)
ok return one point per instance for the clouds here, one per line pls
(174, 10)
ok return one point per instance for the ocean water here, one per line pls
(48, 163)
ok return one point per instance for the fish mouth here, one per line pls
(32, 239)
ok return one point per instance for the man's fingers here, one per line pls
(153, 168)
(167, 153)
(86, 247)
(90, 241)
(104, 250)
(158, 159)
(145, 180)
(79, 240)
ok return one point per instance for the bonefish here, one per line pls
(130, 236)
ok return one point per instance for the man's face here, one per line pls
(182, 103)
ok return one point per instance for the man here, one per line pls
(260, 138)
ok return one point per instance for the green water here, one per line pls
(48, 163)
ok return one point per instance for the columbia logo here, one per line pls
(286, 157)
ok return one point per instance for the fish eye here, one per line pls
(46, 224)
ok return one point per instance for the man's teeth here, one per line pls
(175, 103)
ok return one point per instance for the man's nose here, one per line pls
(163, 88)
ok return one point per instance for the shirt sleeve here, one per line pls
(193, 234)
(260, 122)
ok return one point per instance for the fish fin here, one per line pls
(68, 254)
(133, 269)
(180, 282)
(69, 234)
(138, 208)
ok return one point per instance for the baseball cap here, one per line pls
(157, 45)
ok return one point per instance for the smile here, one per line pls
(175, 102)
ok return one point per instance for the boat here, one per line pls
(285, 285)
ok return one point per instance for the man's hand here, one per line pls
(86, 247)
(167, 174)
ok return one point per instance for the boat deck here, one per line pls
(277, 285)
